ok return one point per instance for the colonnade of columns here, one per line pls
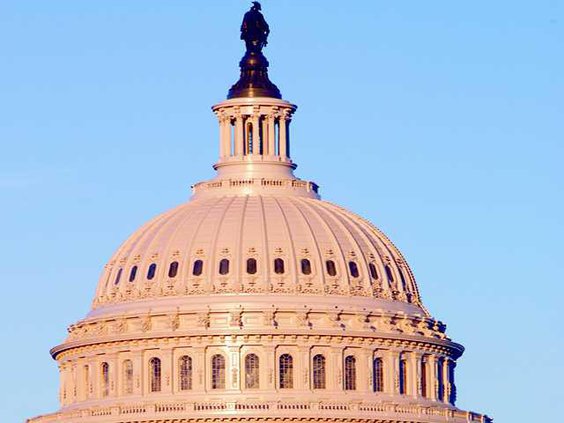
(426, 375)
(254, 131)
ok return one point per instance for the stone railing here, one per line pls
(258, 184)
(179, 411)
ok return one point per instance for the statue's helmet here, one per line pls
(256, 5)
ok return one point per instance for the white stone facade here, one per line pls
(257, 301)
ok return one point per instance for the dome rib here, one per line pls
(317, 270)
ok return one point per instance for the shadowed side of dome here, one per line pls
(257, 245)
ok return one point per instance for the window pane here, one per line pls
(127, 377)
(224, 267)
(350, 373)
(173, 269)
(286, 370)
(252, 370)
(331, 268)
(198, 268)
(251, 266)
(353, 268)
(440, 380)
(306, 266)
(152, 270)
(378, 375)
(279, 266)
(403, 376)
(105, 379)
(218, 372)
(155, 374)
(185, 369)
(319, 372)
(132, 273)
(423, 377)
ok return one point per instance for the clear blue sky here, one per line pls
(440, 121)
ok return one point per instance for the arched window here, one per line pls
(440, 380)
(373, 271)
(423, 377)
(251, 266)
(306, 266)
(155, 374)
(223, 267)
(252, 371)
(127, 377)
(105, 379)
(403, 376)
(389, 273)
(353, 268)
(118, 276)
(173, 269)
(198, 268)
(286, 371)
(278, 266)
(152, 270)
(378, 375)
(185, 372)
(318, 371)
(350, 373)
(132, 273)
(331, 268)
(218, 372)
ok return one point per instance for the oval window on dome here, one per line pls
(306, 266)
(198, 268)
(278, 266)
(118, 276)
(132, 273)
(353, 269)
(373, 271)
(173, 269)
(251, 266)
(152, 271)
(224, 267)
(389, 273)
(331, 268)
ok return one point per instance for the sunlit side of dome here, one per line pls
(256, 301)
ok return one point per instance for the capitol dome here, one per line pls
(257, 301)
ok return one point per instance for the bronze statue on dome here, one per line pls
(254, 29)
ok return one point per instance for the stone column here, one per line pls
(256, 132)
(239, 135)
(139, 371)
(391, 372)
(302, 369)
(233, 371)
(225, 136)
(268, 377)
(282, 136)
(432, 381)
(271, 150)
(448, 383)
(200, 367)
(335, 369)
(166, 370)
(111, 359)
(413, 374)
(364, 370)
